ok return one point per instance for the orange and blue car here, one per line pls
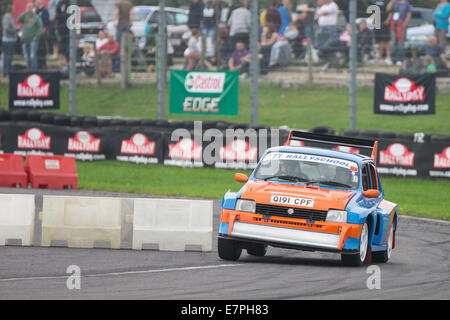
(320, 193)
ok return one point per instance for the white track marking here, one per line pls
(111, 274)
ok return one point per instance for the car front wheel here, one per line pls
(228, 249)
(355, 260)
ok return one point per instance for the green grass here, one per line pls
(299, 108)
(416, 197)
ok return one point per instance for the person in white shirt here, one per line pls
(327, 18)
(193, 52)
(240, 23)
(101, 39)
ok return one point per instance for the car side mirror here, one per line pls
(240, 177)
(372, 193)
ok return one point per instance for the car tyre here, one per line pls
(384, 256)
(257, 250)
(229, 249)
(356, 260)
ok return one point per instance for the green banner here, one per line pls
(204, 92)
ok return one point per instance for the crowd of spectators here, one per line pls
(285, 29)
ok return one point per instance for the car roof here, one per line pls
(358, 158)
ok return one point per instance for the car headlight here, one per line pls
(336, 216)
(246, 205)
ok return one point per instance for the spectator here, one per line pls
(87, 64)
(240, 23)
(31, 31)
(209, 22)
(64, 67)
(327, 16)
(280, 53)
(310, 9)
(285, 14)
(239, 59)
(437, 53)
(123, 16)
(273, 17)
(196, 14)
(9, 39)
(382, 35)
(226, 49)
(61, 26)
(399, 17)
(193, 52)
(268, 39)
(109, 53)
(42, 12)
(429, 64)
(101, 40)
(52, 32)
(441, 16)
(364, 41)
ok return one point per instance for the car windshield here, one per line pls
(308, 169)
(141, 14)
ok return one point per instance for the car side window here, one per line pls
(365, 178)
(154, 18)
(181, 18)
(373, 177)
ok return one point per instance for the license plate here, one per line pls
(301, 202)
(176, 42)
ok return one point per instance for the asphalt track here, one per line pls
(418, 269)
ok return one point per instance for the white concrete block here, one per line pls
(81, 221)
(17, 214)
(172, 223)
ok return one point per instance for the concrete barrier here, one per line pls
(81, 221)
(172, 224)
(17, 218)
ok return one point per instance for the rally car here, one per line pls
(311, 196)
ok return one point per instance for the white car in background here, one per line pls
(176, 20)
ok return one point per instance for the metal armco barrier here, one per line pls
(12, 171)
(17, 218)
(81, 221)
(172, 224)
(52, 172)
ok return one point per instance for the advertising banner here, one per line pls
(204, 92)
(34, 90)
(405, 95)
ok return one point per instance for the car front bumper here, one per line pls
(290, 233)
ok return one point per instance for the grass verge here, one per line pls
(415, 197)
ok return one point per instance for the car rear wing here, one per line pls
(356, 145)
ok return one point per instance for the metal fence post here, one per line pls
(73, 72)
(254, 63)
(161, 61)
(353, 63)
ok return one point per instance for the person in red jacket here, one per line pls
(110, 55)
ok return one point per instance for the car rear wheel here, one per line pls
(384, 256)
(355, 260)
(257, 250)
(229, 249)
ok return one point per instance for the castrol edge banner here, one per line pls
(34, 90)
(204, 92)
(405, 94)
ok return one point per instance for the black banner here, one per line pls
(427, 157)
(34, 90)
(405, 95)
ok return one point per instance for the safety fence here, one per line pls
(200, 144)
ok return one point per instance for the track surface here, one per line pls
(419, 269)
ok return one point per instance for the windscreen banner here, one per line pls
(204, 92)
(405, 95)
